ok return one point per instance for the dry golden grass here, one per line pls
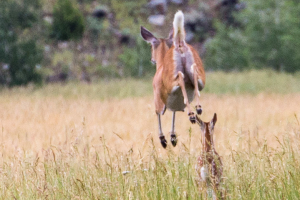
(100, 141)
(32, 124)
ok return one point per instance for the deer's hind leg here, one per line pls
(172, 132)
(180, 82)
(196, 90)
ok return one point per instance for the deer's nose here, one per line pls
(153, 61)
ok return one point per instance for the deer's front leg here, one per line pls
(196, 91)
(160, 109)
(180, 82)
(163, 141)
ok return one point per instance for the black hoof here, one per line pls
(163, 141)
(193, 120)
(192, 117)
(173, 140)
(199, 109)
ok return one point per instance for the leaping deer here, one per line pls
(179, 74)
(209, 166)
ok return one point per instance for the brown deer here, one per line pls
(209, 166)
(179, 74)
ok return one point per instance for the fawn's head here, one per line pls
(207, 129)
(159, 46)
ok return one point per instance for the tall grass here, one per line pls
(70, 174)
(100, 141)
(264, 174)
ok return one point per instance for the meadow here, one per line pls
(100, 141)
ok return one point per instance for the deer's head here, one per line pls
(159, 46)
(207, 129)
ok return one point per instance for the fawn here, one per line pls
(179, 74)
(209, 166)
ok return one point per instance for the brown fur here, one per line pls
(164, 79)
(209, 157)
(177, 64)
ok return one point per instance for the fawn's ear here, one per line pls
(214, 120)
(200, 122)
(169, 40)
(148, 36)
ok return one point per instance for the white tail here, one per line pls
(179, 32)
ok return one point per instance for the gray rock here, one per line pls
(177, 1)
(154, 3)
(158, 20)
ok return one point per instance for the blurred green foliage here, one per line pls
(68, 21)
(268, 37)
(129, 14)
(133, 55)
(265, 35)
(136, 60)
(19, 52)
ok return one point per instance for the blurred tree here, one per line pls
(68, 21)
(136, 60)
(269, 38)
(19, 52)
(117, 31)
(128, 14)
(227, 50)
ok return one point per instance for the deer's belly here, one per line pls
(175, 101)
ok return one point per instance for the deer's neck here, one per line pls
(208, 145)
(161, 52)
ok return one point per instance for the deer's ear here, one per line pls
(148, 36)
(214, 120)
(170, 38)
(200, 122)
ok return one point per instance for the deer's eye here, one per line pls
(155, 43)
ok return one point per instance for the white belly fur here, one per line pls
(175, 99)
(204, 173)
